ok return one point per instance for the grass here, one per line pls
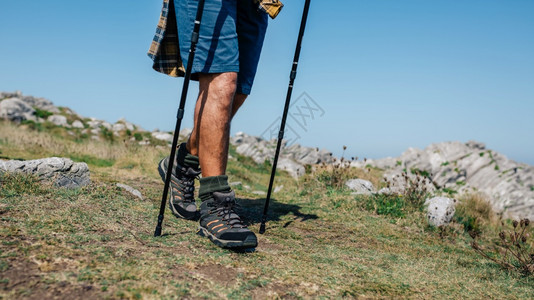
(321, 241)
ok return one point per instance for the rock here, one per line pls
(131, 190)
(390, 191)
(463, 167)
(440, 210)
(58, 120)
(34, 102)
(94, 123)
(293, 168)
(127, 125)
(278, 188)
(40, 103)
(476, 145)
(186, 132)
(261, 150)
(163, 136)
(16, 110)
(260, 193)
(118, 127)
(235, 183)
(360, 186)
(62, 171)
(106, 125)
(77, 124)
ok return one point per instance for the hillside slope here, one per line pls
(321, 241)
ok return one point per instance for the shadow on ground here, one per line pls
(252, 210)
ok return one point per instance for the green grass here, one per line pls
(93, 161)
(321, 242)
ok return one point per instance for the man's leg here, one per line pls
(209, 140)
(238, 101)
(211, 130)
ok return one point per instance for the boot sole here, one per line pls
(163, 173)
(250, 242)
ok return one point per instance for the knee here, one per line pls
(224, 86)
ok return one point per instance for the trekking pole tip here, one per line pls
(262, 228)
(158, 231)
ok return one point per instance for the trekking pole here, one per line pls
(292, 77)
(180, 114)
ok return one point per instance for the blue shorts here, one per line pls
(231, 38)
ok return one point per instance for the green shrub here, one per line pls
(391, 205)
(138, 136)
(41, 113)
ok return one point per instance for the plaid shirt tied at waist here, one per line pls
(165, 49)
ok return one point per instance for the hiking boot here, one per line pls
(182, 202)
(220, 223)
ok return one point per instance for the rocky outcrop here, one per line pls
(40, 103)
(463, 167)
(16, 110)
(292, 158)
(62, 171)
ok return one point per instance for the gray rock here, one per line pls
(34, 102)
(41, 103)
(260, 193)
(94, 123)
(106, 125)
(58, 120)
(278, 188)
(440, 210)
(186, 132)
(127, 125)
(261, 150)
(131, 190)
(390, 191)
(118, 127)
(16, 110)
(360, 186)
(163, 136)
(293, 168)
(235, 183)
(77, 124)
(62, 171)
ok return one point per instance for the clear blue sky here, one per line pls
(388, 74)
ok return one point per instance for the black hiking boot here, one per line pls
(182, 202)
(220, 223)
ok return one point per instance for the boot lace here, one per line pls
(225, 210)
(186, 185)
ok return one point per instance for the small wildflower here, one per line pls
(515, 223)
